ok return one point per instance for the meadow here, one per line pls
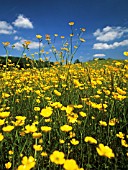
(64, 117)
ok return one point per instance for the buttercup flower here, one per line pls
(66, 128)
(46, 112)
(57, 157)
(38, 36)
(90, 139)
(105, 151)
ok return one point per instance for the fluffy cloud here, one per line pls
(33, 44)
(110, 33)
(6, 28)
(23, 22)
(100, 46)
(99, 55)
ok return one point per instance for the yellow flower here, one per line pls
(4, 114)
(10, 152)
(46, 128)
(27, 163)
(113, 121)
(57, 92)
(36, 109)
(90, 140)
(6, 43)
(74, 141)
(70, 164)
(56, 35)
(38, 36)
(66, 128)
(37, 147)
(82, 114)
(120, 135)
(82, 39)
(36, 135)
(2, 122)
(126, 53)
(105, 151)
(83, 29)
(57, 157)
(30, 128)
(1, 137)
(46, 112)
(62, 37)
(8, 165)
(71, 23)
(61, 141)
(8, 128)
(123, 143)
(44, 154)
(102, 123)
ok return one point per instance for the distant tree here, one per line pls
(77, 61)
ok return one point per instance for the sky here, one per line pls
(105, 21)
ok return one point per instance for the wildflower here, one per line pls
(8, 165)
(8, 128)
(120, 135)
(46, 128)
(57, 92)
(46, 112)
(126, 53)
(61, 141)
(74, 141)
(83, 114)
(71, 23)
(72, 134)
(123, 143)
(44, 154)
(66, 128)
(57, 157)
(6, 43)
(30, 128)
(10, 152)
(56, 35)
(105, 151)
(4, 114)
(36, 109)
(83, 29)
(27, 163)
(82, 39)
(69, 109)
(113, 121)
(90, 140)
(62, 37)
(36, 135)
(37, 147)
(70, 164)
(102, 123)
(38, 36)
(1, 137)
(2, 122)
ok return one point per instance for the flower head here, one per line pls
(90, 139)
(38, 36)
(105, 151)
(57, 157)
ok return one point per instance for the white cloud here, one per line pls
(23, 22)
(110, 33)
(6, 28)
(32, 45)
(99, 55)
(100, 46)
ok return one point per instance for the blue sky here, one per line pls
(106, 23)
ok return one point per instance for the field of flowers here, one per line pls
(64, 117)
